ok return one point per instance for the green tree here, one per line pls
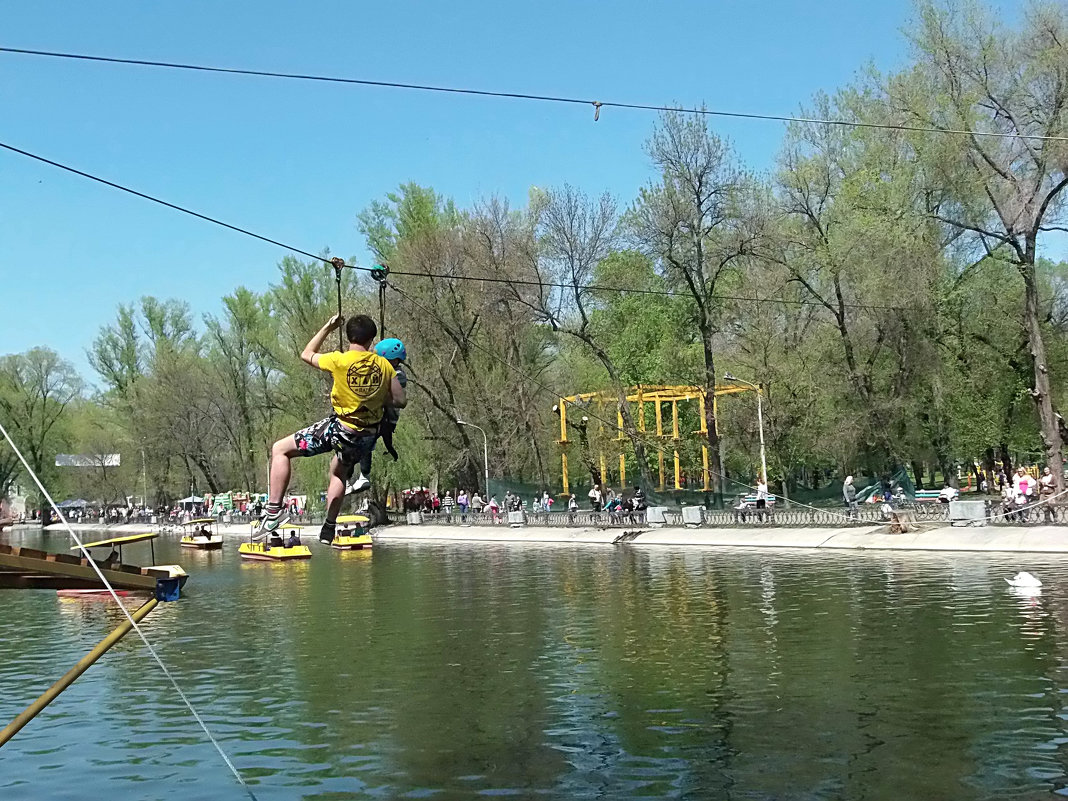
(691, 221)
(998, 193)
(36, 389)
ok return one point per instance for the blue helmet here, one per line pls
(391, 349)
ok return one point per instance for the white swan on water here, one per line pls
(1024, 579)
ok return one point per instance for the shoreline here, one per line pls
(1005, 539)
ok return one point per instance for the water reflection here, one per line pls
(557, 672)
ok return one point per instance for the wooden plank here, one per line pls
(15, 580)
(68, 558)
(25, 560)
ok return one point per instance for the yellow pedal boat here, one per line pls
(351, 534)
(262, 552)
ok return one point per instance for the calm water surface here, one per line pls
(457, 671)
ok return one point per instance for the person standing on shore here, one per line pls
(762, 499)
(1022, 490)
(849, 494)
(595, 498)
(1046, 490)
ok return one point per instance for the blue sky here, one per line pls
(296, 161)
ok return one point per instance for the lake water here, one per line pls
(459, 671)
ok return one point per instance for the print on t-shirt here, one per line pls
(364, 378)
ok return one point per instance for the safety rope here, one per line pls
(126, 612)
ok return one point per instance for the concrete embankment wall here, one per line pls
(1047, 539)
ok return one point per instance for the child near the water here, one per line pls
(393, 351)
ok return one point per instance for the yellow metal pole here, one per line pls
(622, 470)
(604, 470)
(719, 445)
(563, 444)
(660, 433)
(704, 447)
(71, 675)
(619, 424)
(675, 436)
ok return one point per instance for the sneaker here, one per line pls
(326, 533)
(270, 524)
(359, 485)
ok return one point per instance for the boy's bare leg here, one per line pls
(335, 490)
(339, 474)
(281, 453)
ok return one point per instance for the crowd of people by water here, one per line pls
(1021, 496)
(601, 501)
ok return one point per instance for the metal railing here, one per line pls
(780, 517)
(584, 519)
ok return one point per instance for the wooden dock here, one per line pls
(28, 568)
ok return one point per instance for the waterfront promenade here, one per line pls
(930, 537)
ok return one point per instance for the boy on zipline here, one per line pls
(364, 384)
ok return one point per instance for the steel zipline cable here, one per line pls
(483, 279)
(161, 202)
(597, 105)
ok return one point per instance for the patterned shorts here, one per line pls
(331, 434)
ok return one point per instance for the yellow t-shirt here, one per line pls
(361, 385)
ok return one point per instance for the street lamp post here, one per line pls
(760, 421)
(485, 452)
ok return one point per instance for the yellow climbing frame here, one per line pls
(641, 395)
